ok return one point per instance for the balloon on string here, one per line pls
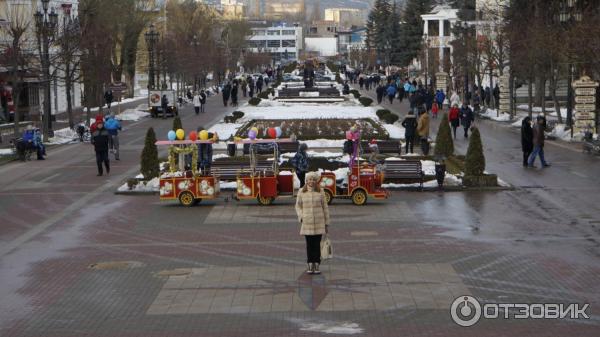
(180, 134)
(193, 136)
(255, 129)
(272, 133)
(278, 132)
(349, 135)
(252, 134)
(203, 135)
(171, 135)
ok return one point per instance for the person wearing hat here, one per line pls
(313, 214)
(538, 143)
(100, 140)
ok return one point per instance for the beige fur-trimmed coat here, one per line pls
(313, 212)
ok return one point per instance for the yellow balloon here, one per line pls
(255, 129)
(180, 134)
(203, 135)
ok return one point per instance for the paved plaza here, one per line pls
(78, 260)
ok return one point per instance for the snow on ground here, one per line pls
(308, 111)
(449, 180)
(63, 136)
(312, 154)
(560, 133)
(549, 111)
(6, 152)
(493, 115)
(225, 130)
(123, 101)
(132, 115)
(394, 130)
(142, 186)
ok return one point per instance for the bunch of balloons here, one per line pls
(272, 132)
(193, 135)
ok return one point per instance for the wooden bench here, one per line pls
(228, 170)
(385, 146)
(402, 170)
(284, 147)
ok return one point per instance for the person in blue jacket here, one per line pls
(113, 126)
(391, 92)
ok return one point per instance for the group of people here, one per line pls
(31, 141)
(532, 141)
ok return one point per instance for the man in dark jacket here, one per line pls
(380, 91)
(226, 93)
(300, 163)
(538, 143)
(164, 104)
(100, 140)
(410, 126)
(108, 98)
(259, 84)
(497, 96)
(526, 139)
(466, 118)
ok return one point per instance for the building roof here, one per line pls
(441, 12)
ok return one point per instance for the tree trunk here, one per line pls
(511, 92)
(130, 82)
(530, 97)
(538, 88)
(543, 94)
(553, 86)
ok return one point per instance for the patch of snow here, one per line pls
(428, 167)
(142, 186)
(344, 328)
(394, 130)
(503, 183)
(132, 115)
(139, 176)
(561, 132)
(6, 152)
(63, 136)
(228, 185)
(225, 130)
(307, 111)
(493, 115)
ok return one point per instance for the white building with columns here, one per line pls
(437, 32)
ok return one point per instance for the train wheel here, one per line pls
(187, 199)
(265, 201)
(328, 197)
(359, 197)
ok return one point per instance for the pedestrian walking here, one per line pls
(454, 118)
(423, 131)
(538, 143)
(410, 126)
(234, 94)
(226, 92)
(259, 84)
(380, 91)
(454, 99)
(244, 87)
(196, 102)
(313, 214)
(440, 97)
(496, 94)
(391, 92)
(361, 82)
(477, 102)
(100, 140)
(108, 98)
(202, 100)
(113, 127)
(488, 96)
(250, 87)
(526, 139)
(400, 92)
(164, 104)
(300, 163)
(466, 118)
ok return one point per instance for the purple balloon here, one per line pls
(252, 134)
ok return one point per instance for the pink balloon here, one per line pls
(349, 135)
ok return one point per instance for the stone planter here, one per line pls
(487, 180)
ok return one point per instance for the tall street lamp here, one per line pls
(45, 24)
(151, 37)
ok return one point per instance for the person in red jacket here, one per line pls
(453, 117)
(434, 110)
(99, 119)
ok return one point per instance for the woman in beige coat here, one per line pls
(313, 214)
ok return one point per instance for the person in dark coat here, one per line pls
(164, 104)
(410, 126)
(488, 96)
(226, 93)
(497, 96)
(361, 82)
(429, 97)
(205, 153)
(401, 92)
(234, 94)
(538, 142)
(526, 139)
(100, 140)
(466, 118)
(108, 98)
(380, 91)
(259, 84)
(250, 86)
(300, 163)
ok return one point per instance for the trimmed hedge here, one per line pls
(365, 101)
(237, 114)
(254, 101)
(382, 112)
(263, 95)
(355, 93)
(475, 160)
(390, 118)
(444, 145)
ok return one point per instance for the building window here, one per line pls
(257, 43)
(273, 43)
(274, 32)
(288, 43)
(288, 32)
(259, 32)
(433, 27)
(447, 28)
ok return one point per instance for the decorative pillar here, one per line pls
(504, 104)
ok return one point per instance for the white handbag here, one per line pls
(326, 249)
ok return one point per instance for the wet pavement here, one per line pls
(78, 260)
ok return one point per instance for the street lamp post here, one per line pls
(45, 24)
(151, 37)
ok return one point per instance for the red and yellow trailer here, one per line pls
(188, 186)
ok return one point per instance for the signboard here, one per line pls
(504, 95)
(308, 94)
(584, 123)
(118, 86)
(585, 107)
(585, 115)
(505, 101)
(585, 91)
(585, 99)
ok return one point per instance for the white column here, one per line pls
(441, 52)
(425, 27)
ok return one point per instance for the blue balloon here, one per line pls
(171, 135)
(278, 131)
